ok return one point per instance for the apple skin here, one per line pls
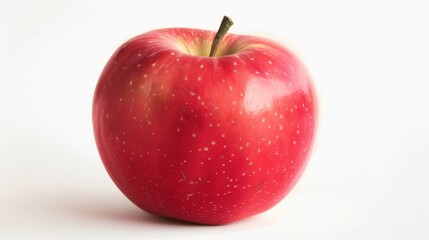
(209, 140)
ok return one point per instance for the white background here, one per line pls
(368, 175)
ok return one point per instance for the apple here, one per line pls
(202, 130)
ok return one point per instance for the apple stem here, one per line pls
(223, 29)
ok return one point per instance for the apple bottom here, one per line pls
(224, 189)
(207, 207)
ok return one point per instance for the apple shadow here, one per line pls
(116, 209)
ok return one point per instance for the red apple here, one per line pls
(205, 139)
